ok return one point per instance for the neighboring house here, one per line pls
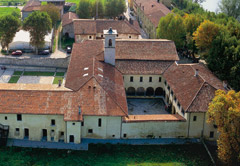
(35, 5)
(149, 13)
(21, 41)
(88, 29)
(55, 2)
(102, 76)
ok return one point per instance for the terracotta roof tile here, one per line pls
(67, 18)
(86, 26)
(32, 5)
(186, 86)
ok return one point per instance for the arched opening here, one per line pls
(140, 91)
(110, 42)
(150, 91)
(159, 92)
(66, 35)
(131, 91)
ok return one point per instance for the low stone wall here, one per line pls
(38, 62)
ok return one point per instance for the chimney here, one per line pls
(196, 73)
(225, 84)
(130, 21)
(109, 46)
(59, 83)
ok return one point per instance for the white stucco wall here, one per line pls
(74, 128)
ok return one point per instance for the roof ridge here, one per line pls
(110, 96)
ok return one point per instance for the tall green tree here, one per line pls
(171, 27)
(97, 5)
(224, 111)
(230, 7)
(84, 9)
(114, 8)
(9, 25)
(39, 24)
(53, 11)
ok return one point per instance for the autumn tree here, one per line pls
(171, 27)
(9, 25)
(205, 34)
(224, 112)
(230, 7)
(38, 24)
(53, 11)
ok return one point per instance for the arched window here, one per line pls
(110, 42)
(159, 92)
(150, 91)
(140, 91)
(131, 91)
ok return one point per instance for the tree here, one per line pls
(16, 14)
(100, 9)
(38, 24)
(198, 1)
(205, 34)
(224, 112)
(9, 25)
(171, 27)
(84, 9)
(115, 7)
(230, 7)
(53, 12)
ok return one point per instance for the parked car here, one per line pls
(44, 52)
(69, 50)
(17, 52)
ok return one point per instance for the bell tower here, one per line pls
(109, 46)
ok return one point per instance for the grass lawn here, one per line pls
(38, 73)
(77, 1)
(55, 81)
(108, 155)
(17, 73)
(8, 10)
(60, 74)
(13, 79)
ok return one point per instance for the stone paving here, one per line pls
(5, 75)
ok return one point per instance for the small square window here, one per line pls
(82, 124)
(150, 79)
(131, 79)
(53, 122)
(5, 117)
(90, 37)
(168, 87)
(141, 79)
(73, 124)
(160, 79)
(195, 118)
(165, 83)
(113, 136)
(17, 129)
(90, 130)
(101, 36)
(129, 37)
(124, 135)
(117, 35)
(211, 134)
(19, 117)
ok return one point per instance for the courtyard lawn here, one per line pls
(38, 73)
(17, 73)
(109, 155)
(8, 10)
(14, 79)
(56, 79)
(12, 2)
(59, 74)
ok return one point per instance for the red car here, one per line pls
(18, 52)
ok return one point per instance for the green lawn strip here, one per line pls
(109, 155)
(55, 81)
(17, 73)
(38, 73)
(60, 73)
(14, 79)
(8, 10)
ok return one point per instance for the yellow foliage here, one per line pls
(224, 111)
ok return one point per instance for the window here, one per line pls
(90, 130)
(52, 122)
(19, 117)
(113, 136)
(160, 79)
(141, 79)
(131, 79)
(17, 132)
(99, 122)
(175, 98)
(165, 83)
(117, 35)
(110, 42)
(26, 133)
(124, 135)
(195, 118)
(73, 124)
(172, 93)
(150, 79)
(101, 36)
(178, 105)
(5, 117)
(90, 37)
(211, 134)
(71, 138)
(129, 37)
(82, 124)
(168, 87)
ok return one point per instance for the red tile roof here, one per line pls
(153, 10)
(68, 17)
(32, 5)
(188, 88)
(144, 118)
(86, 26)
